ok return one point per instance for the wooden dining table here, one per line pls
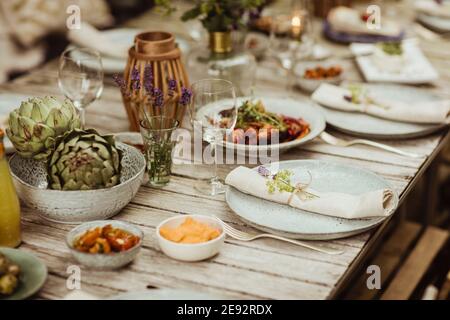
(261, 269)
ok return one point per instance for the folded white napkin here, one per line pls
(433, 8)
(344, 19)
(431, 112)
(89, 37)
(377, 203)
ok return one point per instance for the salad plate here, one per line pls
(364, 125)
(300, 117)
(394, 62)
(299, 224)
(9, 102)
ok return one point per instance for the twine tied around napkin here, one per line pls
(300, 189)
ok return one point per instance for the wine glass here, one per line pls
(291, 36)
(302, 11)
(214, 110)
(80, 77)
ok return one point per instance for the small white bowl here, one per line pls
(310, 85)
(104, 261)
(187, 251)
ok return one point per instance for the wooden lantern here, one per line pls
(158, 49)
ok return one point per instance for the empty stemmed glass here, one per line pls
(291, 36)
(80, 77)
(214, 110)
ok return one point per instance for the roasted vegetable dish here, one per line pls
(320, 73)
(105, 240)
(255, 125)
(9, 276)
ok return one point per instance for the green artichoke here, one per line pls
(84, 160)
(34, 126)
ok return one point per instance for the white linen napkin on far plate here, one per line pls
(89, 37)
(377, 203)
(430, 112)
(348, 20)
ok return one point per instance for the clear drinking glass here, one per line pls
(80, 77)
(158, 135)
(302, 18)
(291, 36)
(214, 109)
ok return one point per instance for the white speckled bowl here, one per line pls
(187, 251)
(30, 180)
(310, 85)
(109, 261)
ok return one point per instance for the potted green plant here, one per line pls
(220, 18)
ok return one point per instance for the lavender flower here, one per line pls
(172, 83)
(135, 76)
(120, 82)
(158, 97)
(148, 79)
(186, 95)
(263, 171)
(135, 79)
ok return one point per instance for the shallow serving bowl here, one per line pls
(30, 180)
(186, 251)
(310, 85)
(109, 261)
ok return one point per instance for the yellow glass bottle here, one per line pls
(9, 204)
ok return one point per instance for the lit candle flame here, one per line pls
(296, 22)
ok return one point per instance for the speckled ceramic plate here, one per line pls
(33, 273)
(289, 107)
(295, 223)
(365, 125)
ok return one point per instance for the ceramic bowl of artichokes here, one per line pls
(78, 176)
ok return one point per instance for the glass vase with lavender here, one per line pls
(158, 131)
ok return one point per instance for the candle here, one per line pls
(296, 27)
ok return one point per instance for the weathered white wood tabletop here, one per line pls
(259, 269)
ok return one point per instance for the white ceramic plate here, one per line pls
(365, 125)
(9, 102)
(294, 223)
(126, 36)
(289, 107)
(437, 23)
(417, 68)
